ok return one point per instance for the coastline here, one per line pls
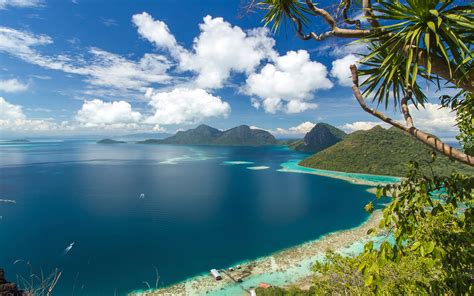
(292, 166)
(285, 267)
(292, 265)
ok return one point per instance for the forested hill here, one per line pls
(381, 152)
(320, 137)
(241, 135)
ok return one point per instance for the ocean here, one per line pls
(109, 216)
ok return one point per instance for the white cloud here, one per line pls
(183, 106)
(100, 68)
(97, 113)
(362, 126)
(341, 69)
(289, 83)
(12, 85)
(221, 49)
(10, 111)
(12, 118)
(4, 4)
(108, 22)
(300, 129)
(354, 48)
(155, 31)
(434, 119)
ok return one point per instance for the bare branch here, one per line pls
(347, 20)
(405, 110)
(425, 138)
(369, 14)
(335, 30)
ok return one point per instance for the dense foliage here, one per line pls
(241, 135)
(320, 137)
(428, 248)
(428, 225)
(381, 152)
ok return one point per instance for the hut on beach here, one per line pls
(215, 274)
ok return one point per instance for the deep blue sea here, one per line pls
(129, 208)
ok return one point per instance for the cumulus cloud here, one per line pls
(435, 119)
(155, 31)
(300, 129)
(221, 49)
(184, 106)
(100, 67)
(362, 125)
(12, 85)
(10, 111)
(4, 4)
(13, 119)
(97, 113)
(341, 69)
(288, 83)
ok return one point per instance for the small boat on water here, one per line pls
(68, 248)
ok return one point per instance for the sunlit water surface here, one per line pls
(129, 208)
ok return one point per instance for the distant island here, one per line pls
(20, 141)
(142, 136)
(381, 152)
(320, 137)
(241, 135)
(109, 141)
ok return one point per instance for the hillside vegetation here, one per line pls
(320, 137)
(381, 152)
(241, 135)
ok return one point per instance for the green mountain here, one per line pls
(205, 135)
(109, 141)
(243, 135)
(201, 135)
(381, 152)
(320, 137)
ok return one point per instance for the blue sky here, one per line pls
(117, 67)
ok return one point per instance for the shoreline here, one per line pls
(292, 265)
(354, 178)
(282, 268)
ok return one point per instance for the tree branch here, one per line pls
(347, 20)
(440, 67)
(405, 110)
(369, 14)
(425, 138)
(335, 30)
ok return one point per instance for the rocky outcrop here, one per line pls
(7, 288)
(320, 137)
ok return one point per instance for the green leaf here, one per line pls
(432, 26)
(369, 207)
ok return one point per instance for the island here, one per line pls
(241, 135)
(109, 141)
(380, 151)
(20, 141)
(320, 137)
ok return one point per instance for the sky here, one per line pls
(103, 67)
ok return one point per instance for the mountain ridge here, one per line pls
(241, 135)
(320, 137)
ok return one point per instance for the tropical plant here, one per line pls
(409, 42)
(427, 228)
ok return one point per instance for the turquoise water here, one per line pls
(125, 209)
(292, 166)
